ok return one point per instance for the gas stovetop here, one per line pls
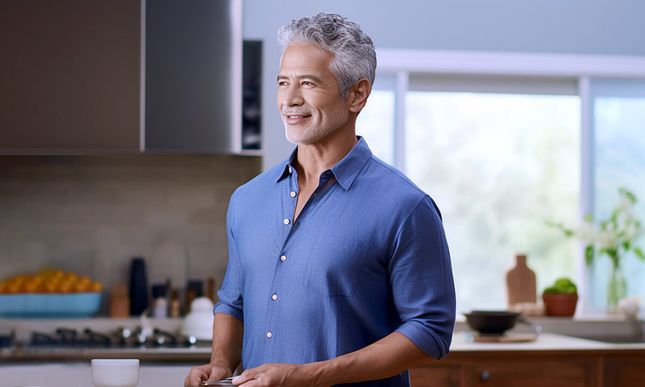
(119, 338)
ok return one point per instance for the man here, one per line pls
(339, 270)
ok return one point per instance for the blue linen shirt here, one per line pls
(367, 256)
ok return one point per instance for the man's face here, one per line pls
(308, 96)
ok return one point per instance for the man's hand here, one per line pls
(205, 372)
(284, 375)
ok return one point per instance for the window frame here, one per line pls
(581, 69)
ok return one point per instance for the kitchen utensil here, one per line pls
(199, 322)
(520, 282)
(224, 382)
(138, 286)
(115, 372)
(491, 322)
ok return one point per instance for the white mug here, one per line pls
(115, 372)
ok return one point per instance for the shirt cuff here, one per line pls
(425, 339)
(220, 307)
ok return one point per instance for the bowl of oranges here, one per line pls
(50, 293)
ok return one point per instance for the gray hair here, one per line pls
(353, 52)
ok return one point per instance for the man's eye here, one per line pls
(282, 83)
(307, 83)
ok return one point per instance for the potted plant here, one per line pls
(561, 298)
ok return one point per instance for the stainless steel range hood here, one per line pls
(191, 68)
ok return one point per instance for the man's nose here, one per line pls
(292, 96)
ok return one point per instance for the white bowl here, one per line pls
(115, 372)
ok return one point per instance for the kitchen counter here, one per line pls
(462, 343)
(174, 355)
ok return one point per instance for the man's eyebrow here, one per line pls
(304, 76)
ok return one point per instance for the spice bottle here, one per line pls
(160, 303)
(175, 304)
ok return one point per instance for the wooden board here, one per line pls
(507, 338)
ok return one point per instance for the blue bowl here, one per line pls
(50, 305)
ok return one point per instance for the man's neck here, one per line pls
(314, 159)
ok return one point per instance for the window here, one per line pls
(505, 143)
(499, 166)
(619, 161)
(376, 121)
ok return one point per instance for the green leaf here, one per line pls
(614, 219)
(628, 194)
(627, 245)
(589, 253)
(639, 253)
(588, 218)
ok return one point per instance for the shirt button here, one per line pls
(283, 258)
(286, 221)
(269, 334)
(292, 194)
(274, 297)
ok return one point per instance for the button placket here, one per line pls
(288, 205)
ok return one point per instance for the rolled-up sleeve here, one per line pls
(230, 293)
(422, 282)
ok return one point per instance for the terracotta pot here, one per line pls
(560, 304)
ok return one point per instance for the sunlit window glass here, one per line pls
(619, 161)
(499, 167)
(376, 121)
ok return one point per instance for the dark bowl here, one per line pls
(491, 322)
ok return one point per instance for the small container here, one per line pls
(560, 304)
(199, 322)
(119, 301)
(160, 303)
(210, 289)
(491, 322)
(115, 372)
(138, 287)
(194, 290)
(175, 304)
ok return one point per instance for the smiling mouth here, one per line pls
(296, 116)
(294, 119)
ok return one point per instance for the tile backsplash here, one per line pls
(93, 214)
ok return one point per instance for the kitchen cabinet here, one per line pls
(110, 76)
(533, 369)
(624, 371)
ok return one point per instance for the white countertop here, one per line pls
(463, 342)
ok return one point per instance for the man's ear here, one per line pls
(357, 95)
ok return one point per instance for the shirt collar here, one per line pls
(345, 171)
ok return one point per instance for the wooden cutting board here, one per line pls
(520, 282)
(507, 338)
